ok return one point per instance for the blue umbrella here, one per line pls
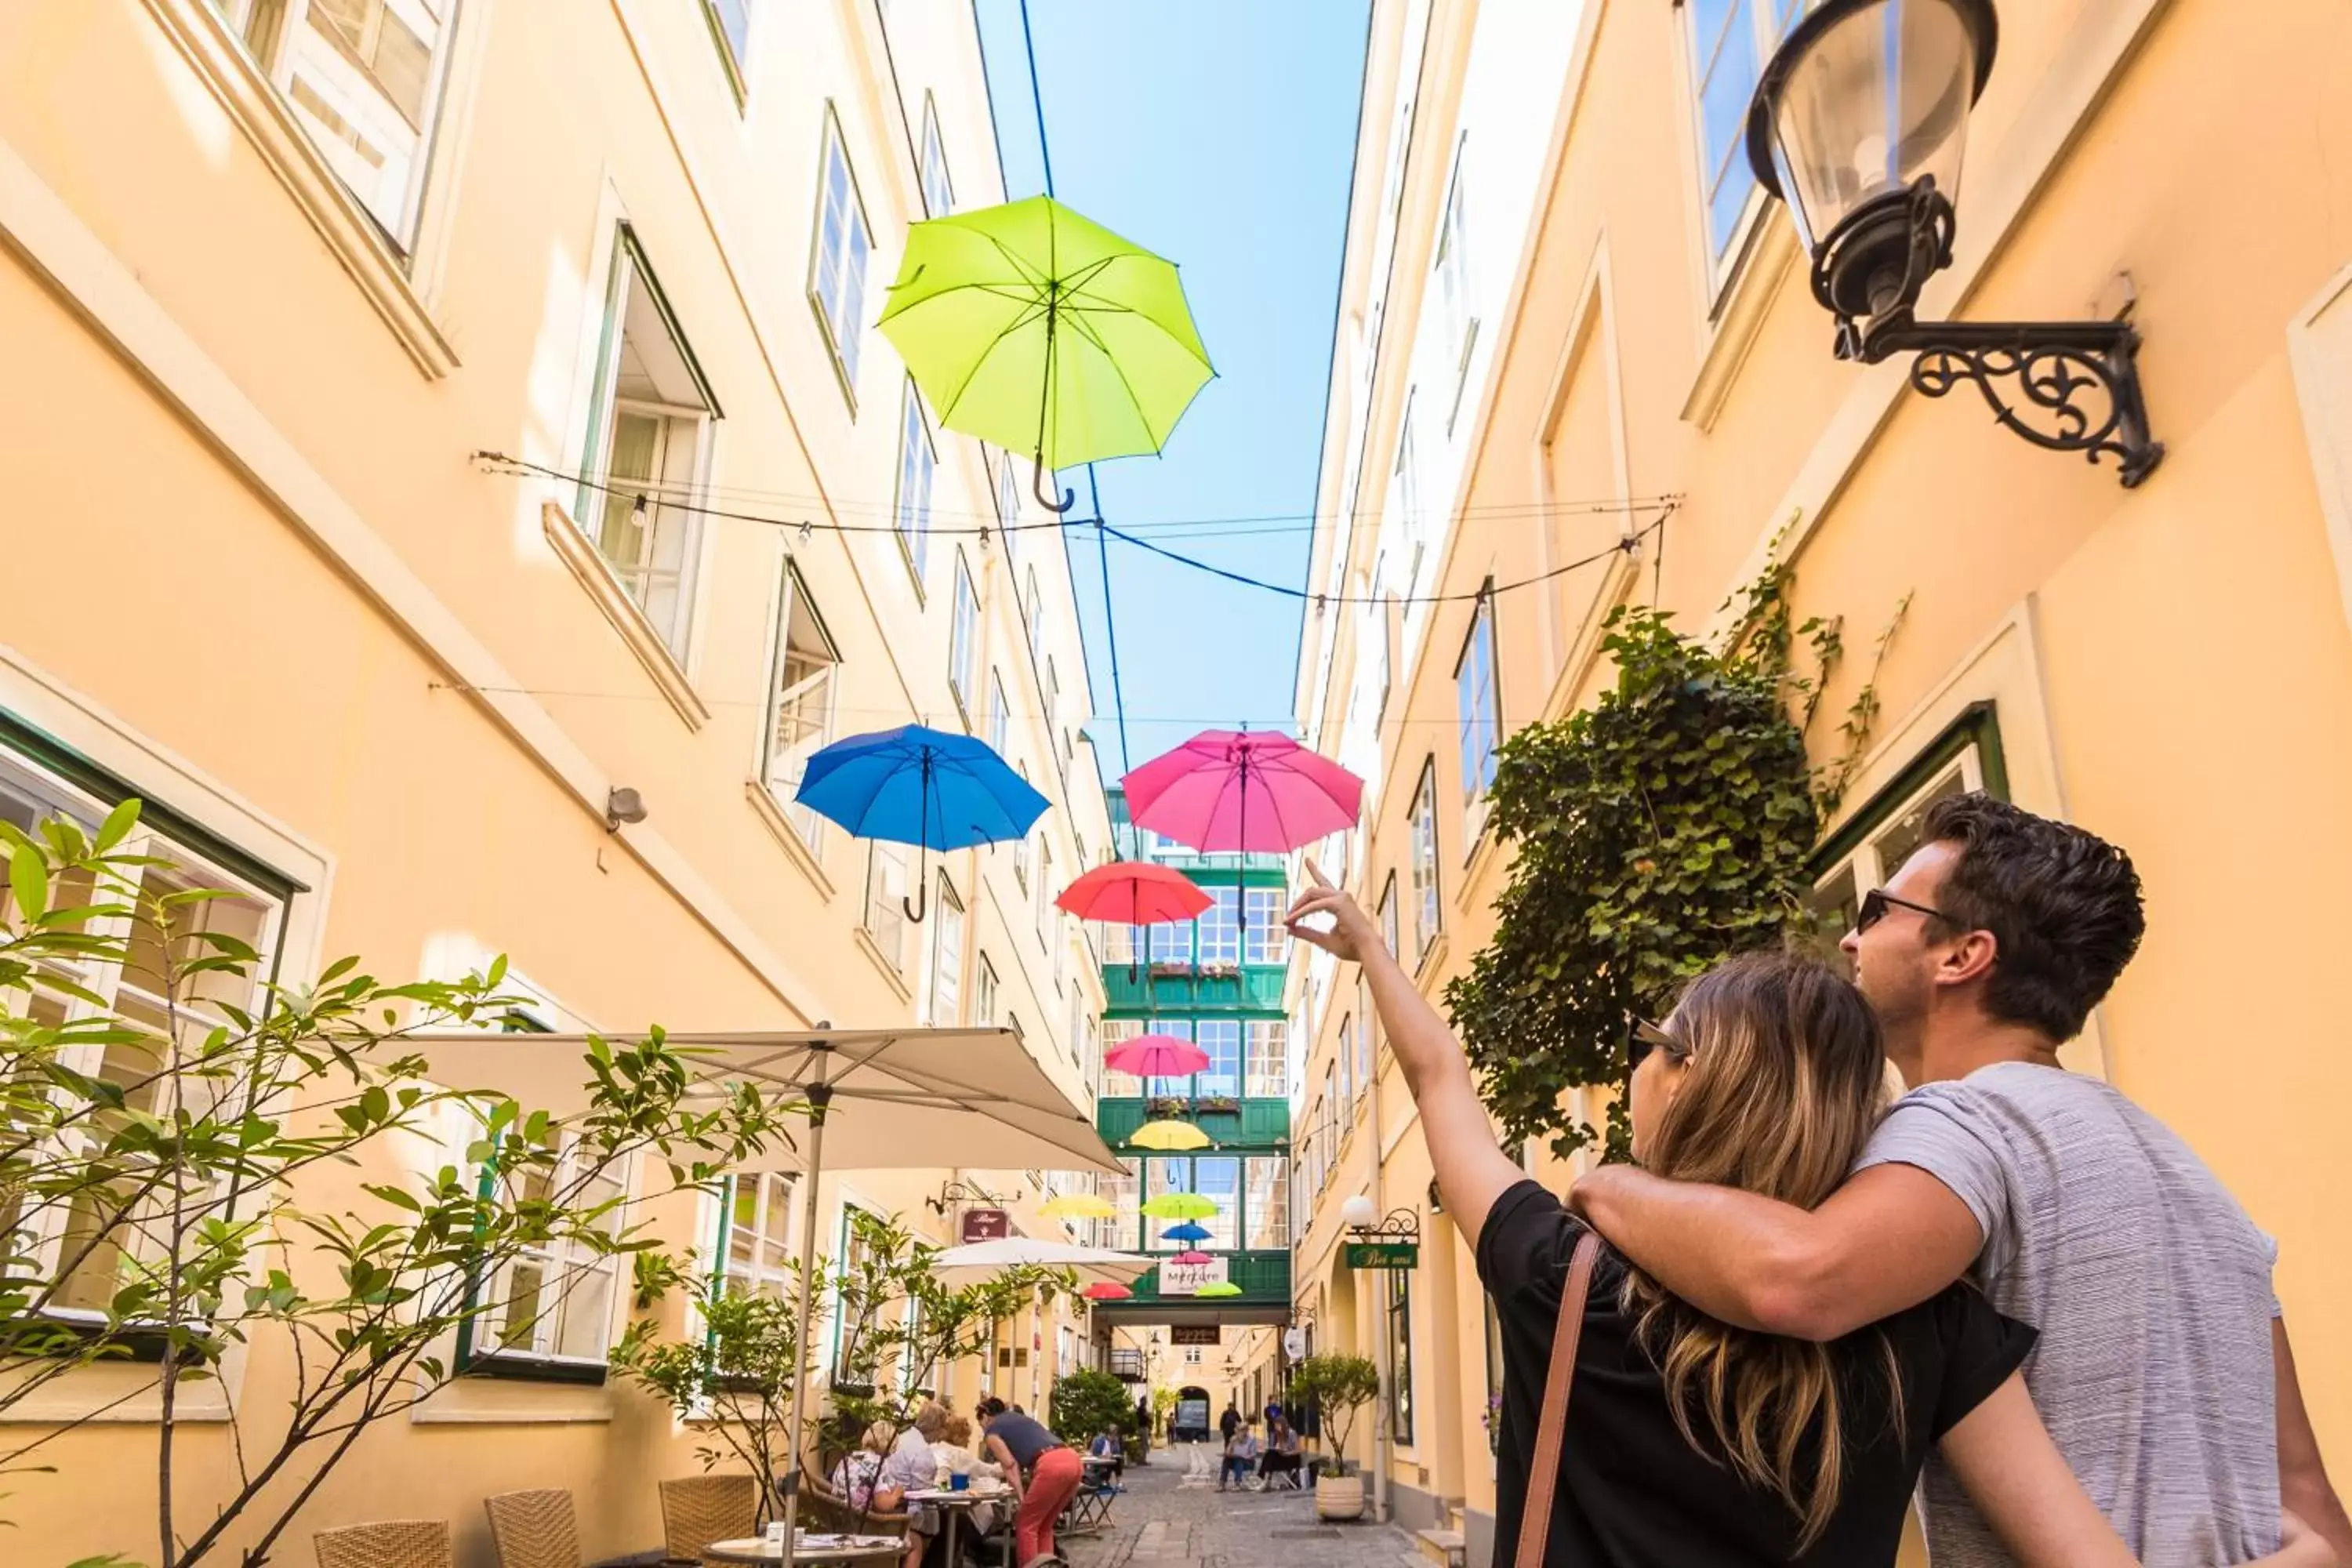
(916, 785)
(1188, 1231)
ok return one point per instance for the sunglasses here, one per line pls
(1648, 1038)
(1878, 900)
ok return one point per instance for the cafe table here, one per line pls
(807, 1547)
(956, 1505)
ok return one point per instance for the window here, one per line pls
(1008, 494)
(1376, 630)
(1387, 915)
(1124, 1193)
(800, 703)
(837, 267)
(1192, 1355)
(647, 446)
(963, 642)
(1266, 1060)
(999, 715)
(917, 457)
(75, 993)
(1453, 280)
(984, 993)
(553, 1302)
(730, 25)
(1423, 821)
(1117, 1032)
(1367, 1034)
(1730, 41)
(1268, 940)
(1161, 1177)
(1266, 1200)
(754, 1247)
(886, 890)
(1218, 1178)
(1171, 944)
(1870, 849)
(1052, 690)
(363, 78)
(848, 1258)
(1033, 611)
(1220, 927)
(1221, 1038)
(1410, 523)
(1045, 891)
(1478, 709)
(1020, 844)
(939, 195)
(1400, 1293)
(946, 956)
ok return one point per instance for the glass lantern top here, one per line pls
(1865, 98)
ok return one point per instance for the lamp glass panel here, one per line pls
(1878, 99)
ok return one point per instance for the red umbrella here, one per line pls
(1136, 893)
(1157, 1056)
(1226, 789)
(1105, 1291)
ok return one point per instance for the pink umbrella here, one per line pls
(1192, 1256)
(1157, 1056)
(1226, 789)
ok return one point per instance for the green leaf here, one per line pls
(28, 880)
(117, 825)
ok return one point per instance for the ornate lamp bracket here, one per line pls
(2066, 386)
(1401, 1225)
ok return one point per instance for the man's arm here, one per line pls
(2304, 1486)
(1889, 1238)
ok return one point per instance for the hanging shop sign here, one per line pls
(986, 1225)
(1192, 1334)
(1186, 1278)
(1383, 1255)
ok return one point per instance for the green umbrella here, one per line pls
(1179, 1205)
(1039, 332)
(1222, 1287)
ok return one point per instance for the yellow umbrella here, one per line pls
(1168, 1135)
(1079, 1206)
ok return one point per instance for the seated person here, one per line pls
(1282, 1453)
(1105, 1447)
(1242, 1450)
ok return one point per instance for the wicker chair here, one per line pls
(828, 1509)
(700, 1510)
(534, 1529)
(388, 1544)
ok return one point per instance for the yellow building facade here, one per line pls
(1566, 312)
(275, 274)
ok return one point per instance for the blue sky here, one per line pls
(1221, 134)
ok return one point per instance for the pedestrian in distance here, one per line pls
(1228, 1422)
(1672, 1440)
(2080, 1213)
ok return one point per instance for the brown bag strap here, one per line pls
(1551, 1427)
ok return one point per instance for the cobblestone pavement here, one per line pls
(1172, 1516)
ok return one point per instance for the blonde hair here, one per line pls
(931, 1420)
(1784, 1080)
(878, 1438)
(958, 1430)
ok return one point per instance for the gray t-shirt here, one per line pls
(2151, 1290)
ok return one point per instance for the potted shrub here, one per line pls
(1340, 1386)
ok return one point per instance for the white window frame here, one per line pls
(810, 700)
(999, 715)
(670, 495)
(333, 82)
(769, 1270)
(1043, 890)
(1020, 844)
(1429, 909)
(937, 189)
(1033, 614)
(561, 1263)
(837, 277)
(984, 993)
(1723, 252)
(918, 461)
(734, 55)
(1406, 477)
(883, 918)
(1008, 498)
(1267, 940)
(1454, 281)
(963, 643)
(945, 1005)
(1477, 762)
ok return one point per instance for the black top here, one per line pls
(1226, 1423)
(1633, 1493)
(1026, 1436)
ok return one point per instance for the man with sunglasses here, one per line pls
(2162, 1369)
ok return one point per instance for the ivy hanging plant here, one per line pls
(1654, 832)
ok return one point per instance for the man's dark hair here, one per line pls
(2062, 904)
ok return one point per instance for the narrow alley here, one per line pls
(1171, 1513)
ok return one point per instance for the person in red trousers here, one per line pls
(1043, 1471)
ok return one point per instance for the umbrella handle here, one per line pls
(914, 906)
(1044, 496)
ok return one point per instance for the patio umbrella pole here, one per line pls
(820, 1097)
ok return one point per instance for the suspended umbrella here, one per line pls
(1232, 790)
(1157, 1056)
(1192, 1256)
(1136, 893)
(1079, 1206)
(1178, 1205)
(987, 1259)
(1221, 1287)
(1042, 332)
(1168, 1136)
(1106, 1291)
(1188, 1231)
(917, 785)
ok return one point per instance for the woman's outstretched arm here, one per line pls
(2014, 1474)
(1472, 1169)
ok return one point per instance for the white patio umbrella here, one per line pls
(985, 1260)
(878, 1100)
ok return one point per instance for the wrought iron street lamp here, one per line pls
(1859, 122)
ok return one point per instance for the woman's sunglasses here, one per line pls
(1648, 1038)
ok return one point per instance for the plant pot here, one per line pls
(1339, 1497)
